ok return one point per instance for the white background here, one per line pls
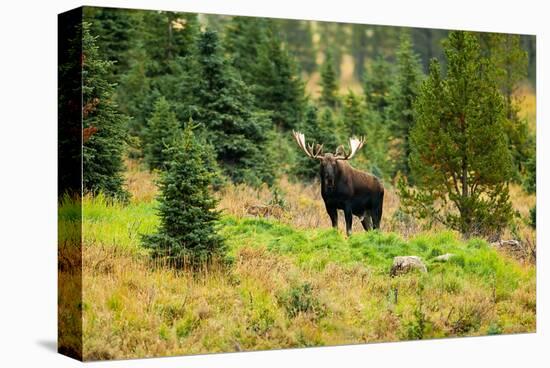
(28, 182)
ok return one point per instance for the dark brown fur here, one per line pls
(353, 191)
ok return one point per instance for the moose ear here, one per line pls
(340, 150)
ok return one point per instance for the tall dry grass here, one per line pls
(528, 106)
(134, 309)
(275, 298)
(139, 181)
(303, 206)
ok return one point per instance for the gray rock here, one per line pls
(444, 257)
(404, 264)
(510, 244)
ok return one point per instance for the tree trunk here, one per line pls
(465, 213)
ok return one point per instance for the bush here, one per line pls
(494, 329)
(300, 299)
(467, 319)
(185, 326)
(417, 328)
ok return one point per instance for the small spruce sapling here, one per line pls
(188, 230)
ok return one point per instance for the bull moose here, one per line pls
(344, 187)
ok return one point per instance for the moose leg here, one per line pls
(333, 213)
(377, 216)
(349, 220)
(366, 221)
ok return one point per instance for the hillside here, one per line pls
(203, 227)
(289, 286)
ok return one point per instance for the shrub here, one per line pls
(261, 321)
(300, 299)
(494, 329)
(185, 326)
(416, 328)
(468, 318)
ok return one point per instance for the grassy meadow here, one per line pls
(158, 87)
(294, 281)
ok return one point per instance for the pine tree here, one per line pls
(331, 130)
(187, 234)
(529, 43)
(242, 39)
(328, 131)
(459, 156)
(511, 63)
(167, 36)
(376, 86)
(329, 83)
(224, 105)
(530, 182)
(103, 149)
(298, 38)
(359, 49)
(377, 146)
(162, 132)
(134, 92)
(265, 65)
(69, 108)
(353, 115)
(402, 95)
(318, 129)
(161, 44)
(114, 30)
(215, 22)
(219, 180)
(277, 86)
(333, 39)
(383, 40)
(427, 44)
(530, 185)
(177, 85)
(306, 168)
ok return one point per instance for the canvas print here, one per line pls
(231, 183)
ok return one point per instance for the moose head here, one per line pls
(329, 162)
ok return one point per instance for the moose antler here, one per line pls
(310, 152)
(355, 145)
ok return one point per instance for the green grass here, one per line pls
(318, 247)
(118, 225)
(114, 224)
(288, 287)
